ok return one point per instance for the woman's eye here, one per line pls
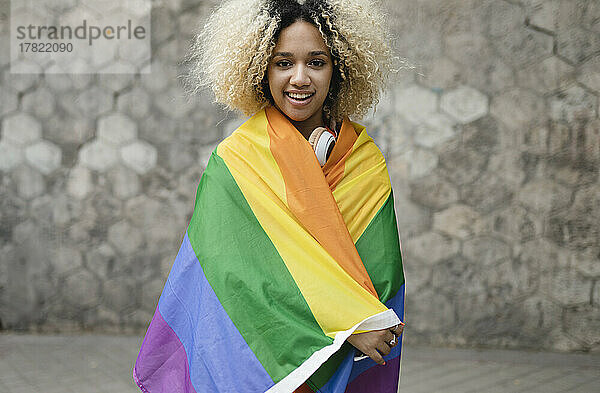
(317, 63)
(283, 63)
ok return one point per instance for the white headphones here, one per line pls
(322, 141)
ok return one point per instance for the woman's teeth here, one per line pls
(299, 96)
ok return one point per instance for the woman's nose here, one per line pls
(300, 76)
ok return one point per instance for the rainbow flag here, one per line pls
(282, 261)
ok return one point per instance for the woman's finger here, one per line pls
(376, 356)
(391, 339)
(398, 329)
(384, 348)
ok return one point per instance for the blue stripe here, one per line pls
(219, 357)
(349, 369)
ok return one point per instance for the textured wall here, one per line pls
(493, 145)
(495, 151)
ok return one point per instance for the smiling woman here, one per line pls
(299, 75)
(231, 54)
(290, 275)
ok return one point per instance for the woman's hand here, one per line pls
(376, 343)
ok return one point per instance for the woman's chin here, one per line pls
(297, 119)
(296, 115)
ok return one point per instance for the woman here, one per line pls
(290, 269)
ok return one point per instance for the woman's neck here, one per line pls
(307, 128)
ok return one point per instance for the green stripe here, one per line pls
(379, 249)
(249, 277)
(327, 369)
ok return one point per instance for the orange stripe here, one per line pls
(334, 166)
(309, 197)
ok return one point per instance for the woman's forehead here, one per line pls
(300, 38)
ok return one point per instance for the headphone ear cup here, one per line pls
(315, 135)
(322, 141)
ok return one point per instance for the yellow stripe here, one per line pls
(335, 299)
(249, 153)
(365, 186)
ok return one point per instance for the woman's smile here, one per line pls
(299, 99)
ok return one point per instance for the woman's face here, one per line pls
(299, 74)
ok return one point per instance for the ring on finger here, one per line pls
(392, 341)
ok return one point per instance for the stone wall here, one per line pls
(493, 146)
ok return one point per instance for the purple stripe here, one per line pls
(218, 357)
(380, 379)
(167, 372)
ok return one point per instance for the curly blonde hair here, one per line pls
(231, 53)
